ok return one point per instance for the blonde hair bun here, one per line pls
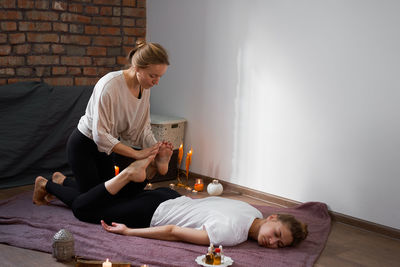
(147, 53)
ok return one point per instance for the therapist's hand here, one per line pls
(147, 152)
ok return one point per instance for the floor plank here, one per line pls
(19, 257)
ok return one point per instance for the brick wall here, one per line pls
(67, 42)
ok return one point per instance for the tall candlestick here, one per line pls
(180, 155)
(188, 161)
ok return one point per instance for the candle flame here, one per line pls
(116, 169)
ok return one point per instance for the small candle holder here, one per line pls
(179, 183)
(199, 185)
(178, 178)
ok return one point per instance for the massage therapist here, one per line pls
(117, 118)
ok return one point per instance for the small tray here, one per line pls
(201, 261)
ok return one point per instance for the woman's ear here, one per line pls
(272, 217)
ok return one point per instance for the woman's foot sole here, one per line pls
(162, 160)
(39, 192)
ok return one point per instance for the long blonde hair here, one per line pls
(145, 54)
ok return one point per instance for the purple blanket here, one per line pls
(25, 225)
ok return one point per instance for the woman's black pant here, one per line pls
(86, 194)
(90, 166)
(134, 210)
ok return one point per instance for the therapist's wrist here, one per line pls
(134, 153)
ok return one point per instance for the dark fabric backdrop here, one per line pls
(36, 120)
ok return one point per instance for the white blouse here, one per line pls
(115, 115)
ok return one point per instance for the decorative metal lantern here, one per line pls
(63, 245)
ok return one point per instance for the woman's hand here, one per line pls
(116, 228)
(147, 152)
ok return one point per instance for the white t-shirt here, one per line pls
(113, 112)
(226, 221)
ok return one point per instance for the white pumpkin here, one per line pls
(215, 188)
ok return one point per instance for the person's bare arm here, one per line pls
(127, 151)
(166, 232)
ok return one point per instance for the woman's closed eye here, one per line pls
(278, 235)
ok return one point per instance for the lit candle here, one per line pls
(199, 185)
(107, 263)
(194, 191)
(188, 161)
(180, 155)
(116, 168)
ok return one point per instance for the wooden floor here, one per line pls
(346, 246)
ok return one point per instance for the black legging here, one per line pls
(135, 210)
(90, 167)
(86, 194)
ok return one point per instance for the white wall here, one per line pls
(294, 98)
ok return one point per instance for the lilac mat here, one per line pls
(25, 225)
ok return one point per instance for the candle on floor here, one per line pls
(199, 185)
(107, 263)
(116, 170)
(194, 191)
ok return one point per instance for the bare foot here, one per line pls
(58, 178)
(39, 193)
(137, 170)
(162, 158)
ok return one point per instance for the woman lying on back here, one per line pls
(166, 215)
